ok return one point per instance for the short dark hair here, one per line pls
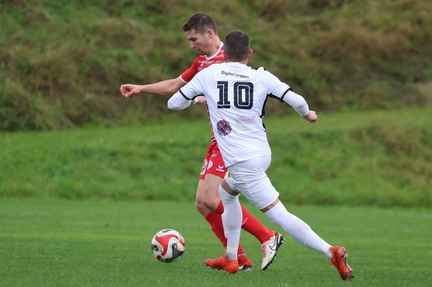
(237, 46)
(200, 22)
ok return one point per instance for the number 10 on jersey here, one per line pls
(242, 95)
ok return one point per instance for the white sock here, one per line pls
(231, 220)
(298, 229)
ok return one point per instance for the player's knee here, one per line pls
(211, 203)
(212, 199)
(200, 206)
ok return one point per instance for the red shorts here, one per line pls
(213, 162)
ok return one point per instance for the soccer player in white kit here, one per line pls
(236, 95)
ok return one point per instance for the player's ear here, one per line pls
(210, 33)
(250, 54)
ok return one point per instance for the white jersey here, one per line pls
(236, 95)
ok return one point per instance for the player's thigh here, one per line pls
(210, 193)
(200, 190)
(211, 184)
(199, 203)
(208, 188)
(250, 178)
(261, 193)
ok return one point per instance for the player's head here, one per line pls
(201, 32)
(200, 22)
(237, 46)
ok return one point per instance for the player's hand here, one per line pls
(129, 90)
(312, 117)
(200, 100)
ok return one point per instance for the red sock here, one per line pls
(254, 227)
(251, 224)
(215, 220)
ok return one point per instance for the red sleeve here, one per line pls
(187, 75)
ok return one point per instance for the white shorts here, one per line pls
(250, 178)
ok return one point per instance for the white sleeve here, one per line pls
(297, 102)
(284, 93)
(178, 102)
(182, 99)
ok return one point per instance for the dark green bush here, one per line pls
(62, 62)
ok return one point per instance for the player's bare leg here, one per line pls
(270, 240)
(199, 204)
(208, 194)
(215, 221)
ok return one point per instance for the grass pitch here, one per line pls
(51, 242)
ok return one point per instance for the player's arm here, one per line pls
(167, 87)
(300, 106)
(311, 117)
(190, 94)
(180, 102)
(284, 93)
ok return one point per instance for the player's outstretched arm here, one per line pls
(311, 117)
(167, 87)
(178, 102)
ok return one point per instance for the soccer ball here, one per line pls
(168, 245)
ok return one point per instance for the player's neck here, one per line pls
(215, 47)
(244, 62)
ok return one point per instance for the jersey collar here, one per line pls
(215, 54)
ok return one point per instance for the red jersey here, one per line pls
(202, 62)
(213, 162)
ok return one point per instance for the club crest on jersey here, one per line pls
(223, 128)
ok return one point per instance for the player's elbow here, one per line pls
(174, 85)
(173, 105)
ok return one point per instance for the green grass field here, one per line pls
(380, 158)
(54, 242)
(79, 207)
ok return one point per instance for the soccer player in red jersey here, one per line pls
(201, 32)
